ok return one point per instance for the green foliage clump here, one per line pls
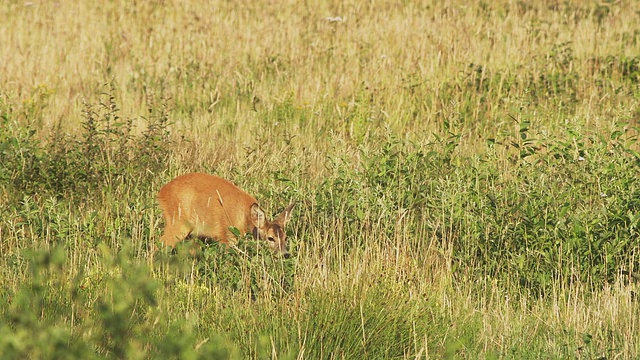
(568, 209)
(114, 314)
(107, 154)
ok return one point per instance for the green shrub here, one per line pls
(106, 155)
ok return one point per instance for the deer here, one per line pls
(207, 207)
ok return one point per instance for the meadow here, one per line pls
(465, 173)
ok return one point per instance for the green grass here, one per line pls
(466, 178)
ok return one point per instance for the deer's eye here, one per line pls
(270, 238)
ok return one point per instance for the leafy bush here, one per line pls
(105, 155)
(112, 315)
(568, 211)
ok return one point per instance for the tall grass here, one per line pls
(466, 177)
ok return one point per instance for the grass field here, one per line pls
(465, 172)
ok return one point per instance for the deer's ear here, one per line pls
(284, 216)
(258, 218)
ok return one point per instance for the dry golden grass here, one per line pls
(217, 60)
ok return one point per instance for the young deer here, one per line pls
(206, 206)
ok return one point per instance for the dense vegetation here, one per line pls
(466, 177)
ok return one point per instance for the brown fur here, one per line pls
(206, 206)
